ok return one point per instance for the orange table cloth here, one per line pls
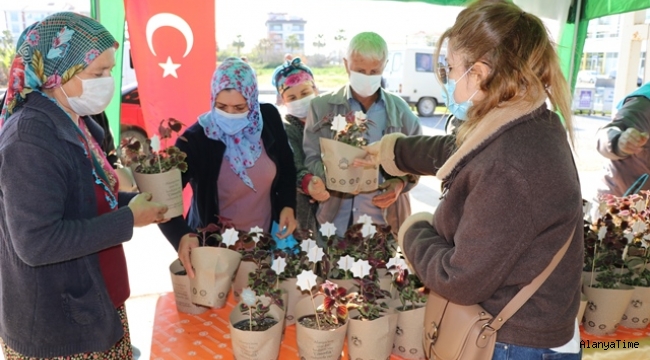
(205, 336)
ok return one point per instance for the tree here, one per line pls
(340, 38)
(259, 54)
(319, 43)
(7, 52)
(292, 42)
(238, 44)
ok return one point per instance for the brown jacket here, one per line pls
(511, 199)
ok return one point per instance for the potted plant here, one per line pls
(256, 240)
(372, 324)
(637, 314)
(215, 263)
(256, 327)
(293, 261)
(621, 220)
(323, 322)
(158, 171)
(410, 309)
(264, 280)
(339, 152)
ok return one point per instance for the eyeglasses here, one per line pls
(443, 72)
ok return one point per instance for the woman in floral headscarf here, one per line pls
(240, 165)
(296, 87)
(63, 276)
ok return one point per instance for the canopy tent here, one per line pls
(564, 12)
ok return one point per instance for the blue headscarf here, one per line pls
(644, 90)
(244, 147)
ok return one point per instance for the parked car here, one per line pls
(639, 80)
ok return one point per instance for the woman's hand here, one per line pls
(188, 242)
(317, 189)
(145, 211)
(372, 156)
(392, 188)
(287, 223)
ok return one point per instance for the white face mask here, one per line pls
(300, 108)
(364, 85)
(95, 96)
(230, 123)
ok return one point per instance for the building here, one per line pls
(603, 44)
(21, 14)
(280, 26)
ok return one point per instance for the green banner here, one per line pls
(111, 15)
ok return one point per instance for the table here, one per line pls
(206, 336)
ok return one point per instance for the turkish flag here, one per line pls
(174, 53)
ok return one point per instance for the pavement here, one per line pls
(149, 254)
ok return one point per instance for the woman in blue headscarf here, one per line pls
(240, 165)
(63, 275)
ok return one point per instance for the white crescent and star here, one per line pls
(172, 20)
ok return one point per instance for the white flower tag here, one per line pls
(346, 262)
(257, 231)
(230, 236)
(602, 232)
(279, 263)
(368, 230)
(306, 280)
(307, 245)
(328, 229)
(155, 143)
(396, 262)
(315, 254)
(339, 123)
(365, 219)
(248, 296)
(360, 268)
(625, 252)
(360, 118)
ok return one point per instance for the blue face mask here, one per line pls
(230, 123)
(458, 110)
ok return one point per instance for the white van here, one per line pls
(410, 75)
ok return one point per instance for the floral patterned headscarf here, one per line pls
(242, 148)
(52, 52)
(290, 74)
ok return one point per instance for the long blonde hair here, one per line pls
(522, 59)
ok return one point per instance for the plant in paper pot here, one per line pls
(410, 307)
(322, 320)
(158, 171)
(256, 327)
(372, 324)
(338, 153)
(215, 263)
(292, 261)
(256, 240)
(621, 221)
(637, 314)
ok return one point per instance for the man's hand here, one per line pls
(317, 189)
(188, 242)
(392, 189)
(372, 155)
(631, 141)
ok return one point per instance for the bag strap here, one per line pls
(527, 291)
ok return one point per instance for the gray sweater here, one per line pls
(53, 300)
(511, 199)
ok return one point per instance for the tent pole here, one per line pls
(575, 39)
